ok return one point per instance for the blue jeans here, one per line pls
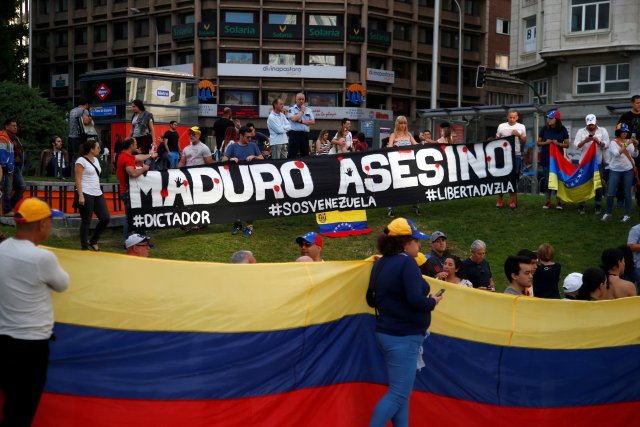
(12, 182)
(400, 355)
(626, 178)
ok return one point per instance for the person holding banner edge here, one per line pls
(403, 303)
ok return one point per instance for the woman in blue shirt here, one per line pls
(403, 305)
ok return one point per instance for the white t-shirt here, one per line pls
(348, 139)
(195, 154)
(505, 129)
(28, 275)
(90, 179)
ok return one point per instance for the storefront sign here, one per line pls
(356, 34)
(338, 113)
(316, 32)
(287, 71)
(182, 32)
(207, 29)
(60, 80)
(384, 76)
(382, 38)
(102, 110)
(283, 31)
(239, 30)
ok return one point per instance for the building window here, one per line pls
(186, 18)
(353, 63)
(530, 44)
(376, 62)
(425, 35)
(323, 20)
(378, 24)
(43, 7)
(282, 18)
(289, 98)
(81, 4)
(80, 36)
(589, 15)
(141, 62)
(282, 58)
(141, 28)
(208, 58)
(43, 41)
(238, 57)
(61, 5)
(163, 24)
(185, 58)
(471, 43)
(322, 60)
(100, 65)
(121, 63)
(448, 5)
(426, 3)
(239, 97)
(402, 32)
(239, 17)
(402, 69)
(100, 33)
(502, 26)
(164, 60)
(120, 30)
(542, 87)
(97, 3)
(472, 8)
(502, 61)
(62, 39)
(423, 72)
(602, 79)
(323, 99)
(449, 39)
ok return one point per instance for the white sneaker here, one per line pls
(606, 217)
(626, 218)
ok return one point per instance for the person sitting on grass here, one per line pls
(547, 276)
(613, 264)
(138, 245)
(595, 286)
(518, 272)
(243, 257)
(453, 272)
(311, 246)
(571, 285)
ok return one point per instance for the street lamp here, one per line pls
(135, 11)
(460, 48)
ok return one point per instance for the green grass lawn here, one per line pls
(578, 240)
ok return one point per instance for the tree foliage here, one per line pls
(38, 118)
(13, 47)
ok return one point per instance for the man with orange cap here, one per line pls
(29, 273)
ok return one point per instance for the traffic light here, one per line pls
(481, 76)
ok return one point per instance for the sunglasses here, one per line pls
(306, 244)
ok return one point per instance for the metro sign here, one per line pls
(102, 92)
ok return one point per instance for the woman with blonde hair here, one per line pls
(401, 135)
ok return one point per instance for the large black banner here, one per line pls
(224, 192)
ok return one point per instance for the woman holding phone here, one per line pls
(403, 303)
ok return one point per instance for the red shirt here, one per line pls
(124, 159)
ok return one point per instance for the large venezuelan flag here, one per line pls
(574, 184)
(143, 342)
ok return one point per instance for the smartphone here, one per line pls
(440, 292)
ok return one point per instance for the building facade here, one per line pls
(580, 56)
(249, 52)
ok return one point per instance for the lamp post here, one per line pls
(434, 54)
(460, 48)
(136, 11)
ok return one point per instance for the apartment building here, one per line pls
(354, 58)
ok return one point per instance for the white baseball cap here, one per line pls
(572, 282)
(135, 239)
(590, 119)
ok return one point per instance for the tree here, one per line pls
(13, 48)
(38, 118)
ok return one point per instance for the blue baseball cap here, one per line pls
(311, 237)
(555, 114)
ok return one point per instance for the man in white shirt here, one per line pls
(278, 125)
(592, 134)
(300, 117)
(512, 127)
(29, 273)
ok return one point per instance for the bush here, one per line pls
(38, 118)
